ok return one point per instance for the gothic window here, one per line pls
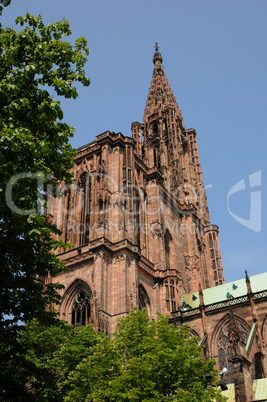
(156, 157)
(101, 212)
(167, 248)
(172, 289)
(81, 309)
(210, 241)
(137, 215)
(143, 299)
(167, 290)
(222, 359)
(256, 367)
(129, 156)
(67, 194)
(84, 208)
(225, 350)
(215, 246)
(170, 295)
(155, 128)
(124, 156)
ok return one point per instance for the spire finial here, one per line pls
(248, 282)
(157, 59)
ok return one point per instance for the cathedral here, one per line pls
(138, 221)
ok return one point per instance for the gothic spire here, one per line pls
(160, 95)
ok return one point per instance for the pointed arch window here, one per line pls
(170, 295)
(85, 196)
(67, 231)
(155, 128)
(101, 212)
(225, 351)
(143, 299)
(256, 367)
(156, 157)
(81, 309)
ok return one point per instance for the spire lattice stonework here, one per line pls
(160, 95)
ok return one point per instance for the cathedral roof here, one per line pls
(259, 390)
(227, 291)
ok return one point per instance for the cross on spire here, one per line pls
(157, 55)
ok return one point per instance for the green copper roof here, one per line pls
(225, 292)
(250, 338)
(190, 300)
(86, 145)
(230, 393)
(260, 389)
(259, 282)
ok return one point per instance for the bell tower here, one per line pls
(137, 217)
(172, 150)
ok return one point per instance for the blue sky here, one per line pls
(215, 59)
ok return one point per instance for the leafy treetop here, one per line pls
(143, 361)
(34, 152)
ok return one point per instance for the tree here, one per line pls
(3, 3)
(52, 353)
(35, 154)
(144, 361)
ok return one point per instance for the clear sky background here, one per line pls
(215, 58)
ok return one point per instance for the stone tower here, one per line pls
(137, 218)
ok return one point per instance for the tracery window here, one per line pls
(170, 295)
(81, 309)
(225, 350)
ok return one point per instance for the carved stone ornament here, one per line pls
(192, 261)
(156, 228)
(120, 258)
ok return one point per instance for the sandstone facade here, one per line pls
(138, 220)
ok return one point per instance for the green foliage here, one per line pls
(52, 353)
(35, 155)
(144, 361)
(3, 3)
